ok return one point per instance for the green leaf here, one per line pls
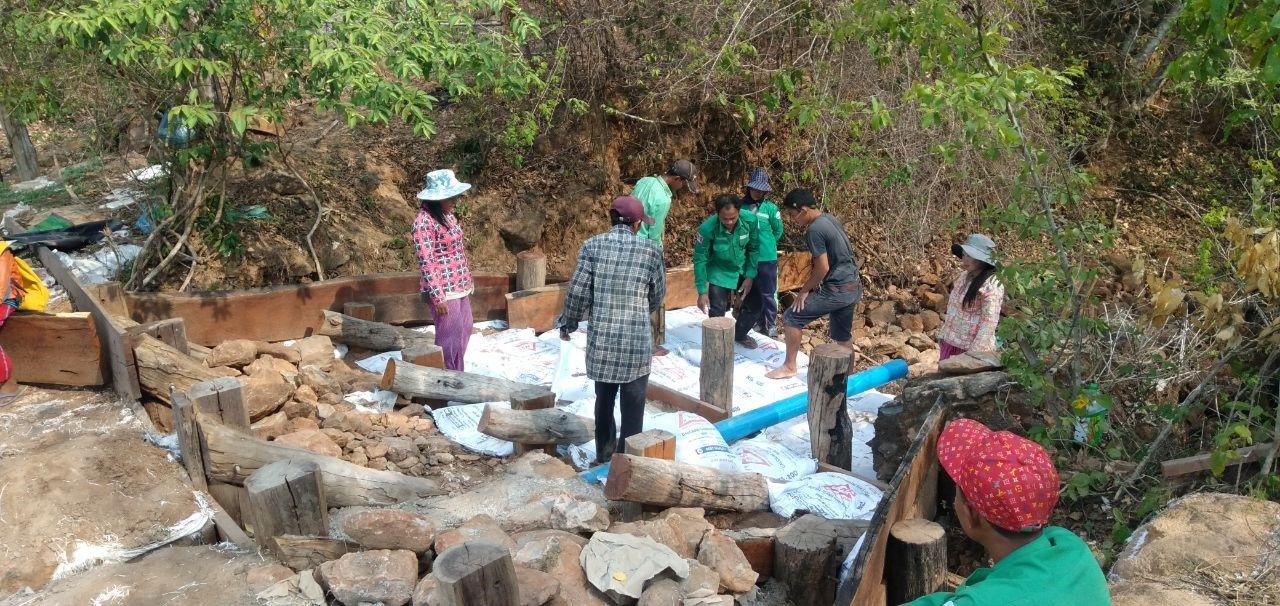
(1271, 69)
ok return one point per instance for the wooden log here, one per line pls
(655, 443)
(222, 399)
(307, 552)
(359, 310)
(287, 497)
(413, 381)
(55, 349)
(715, 373)
(228, 530)
(232, 456)
(1180, 467)
(189, 443)
(476, 573)
(687, 403)
(369, 335)
(757, 545)
(802, 552)
(830, 429)
(173, 332)
(234, 499)
(531, 270)
(544, 426)
(160, 366)
(431, 356)
(915, 559)
(670, 484)
(534, 399)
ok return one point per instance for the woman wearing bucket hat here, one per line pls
(763, 297)
(973, 310)
(442, 258)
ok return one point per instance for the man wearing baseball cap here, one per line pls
(1006, 488)
(656, 192)
(620, 281)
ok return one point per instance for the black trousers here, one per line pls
(745, 317)
(633, 399)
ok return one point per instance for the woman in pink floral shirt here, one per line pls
(974, 307)
(442, 258)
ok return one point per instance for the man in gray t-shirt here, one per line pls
(833, 287)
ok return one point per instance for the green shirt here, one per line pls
(655, 194)
(769, 220)
(1056, 569)
(720, 256)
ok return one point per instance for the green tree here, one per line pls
(225, 66)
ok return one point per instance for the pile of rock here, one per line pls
(294, 395)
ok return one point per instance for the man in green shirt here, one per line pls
(724, 261)
(1006, 488)
(655, 192)
(762, 300)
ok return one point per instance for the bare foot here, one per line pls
(660, 351)
(748, 343)
(781, 372)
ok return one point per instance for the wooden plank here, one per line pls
(680, 401)
(1179, 467)
(538, 308)
(110, 296)
(904, 499)
(57, 349)
(111, 329)
(279, 313)
(173, 332)
(362, 311)
(655, 443)
(228, 530)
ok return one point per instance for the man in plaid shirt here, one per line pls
(620, 281)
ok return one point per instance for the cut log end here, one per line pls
(388, 376)
(619, 477)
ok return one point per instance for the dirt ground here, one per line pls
(79, 487)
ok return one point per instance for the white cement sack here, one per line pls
(834, 496)
(378, 363)
(564, 370)
(461, 423)
(772, 460)
(697, 440)
(373, 402)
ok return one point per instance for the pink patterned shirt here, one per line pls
(442, 258)
(973, 328)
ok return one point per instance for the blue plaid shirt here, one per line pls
(619, 280)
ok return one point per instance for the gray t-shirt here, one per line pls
(826, 236)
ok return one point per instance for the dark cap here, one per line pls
(687, 171)
(630, 209)
(799, 198)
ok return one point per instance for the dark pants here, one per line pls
(633, 399)
(765, 289)
(746, 316)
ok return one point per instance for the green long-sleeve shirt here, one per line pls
(655, 194)
(720, 256)
(1056, 569)
(769, 220)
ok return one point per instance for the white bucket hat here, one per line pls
(442, 185)
(977, 246)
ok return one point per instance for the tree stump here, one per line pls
(287, 497)
(830, 430)
(531, 270)
(534, 399)
(655, 443)
(715, 373)
(802, 552)
(915, 559)
(476, 573)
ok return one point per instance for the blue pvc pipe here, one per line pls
(743, 425)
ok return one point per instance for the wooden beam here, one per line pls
(715, 373)
(173, 332)
(413, 381)
(669, 484)
(111, 329)
(160, 367)
(189, 443)
(287, 497)
(1203, 462)
(476, 573)
(361, 310)
(307, 552)
(830, 428)
(431, 356)
(228, 530)
(534, 399)
(655, 443)
(214, 317)
(536, 308)
(222, 399)
(57, 349)
(684, 402)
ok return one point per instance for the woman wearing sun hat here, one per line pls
(442, 258)
(764, 290)
(973, 310)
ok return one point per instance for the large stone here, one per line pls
(399, 449)
(935, 301)
(261, 577)
(911, 323)
(423, 594)
(272, 426)
(536, 587)
(881, 314)
(305, 393)
(353, 422)
(542, 549)
(662, 592)
(269, 367)
(478, 528)
(313, 440)
(284, 352)
(316, 350)
(367, 577)
(265, 396)
(300, 410)
(721, 554)
(559, 554)
(389, 529)
(971, 362)
(235, 353)
(572, 515)
(931, 320)
(702, 582)
(319, 381)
